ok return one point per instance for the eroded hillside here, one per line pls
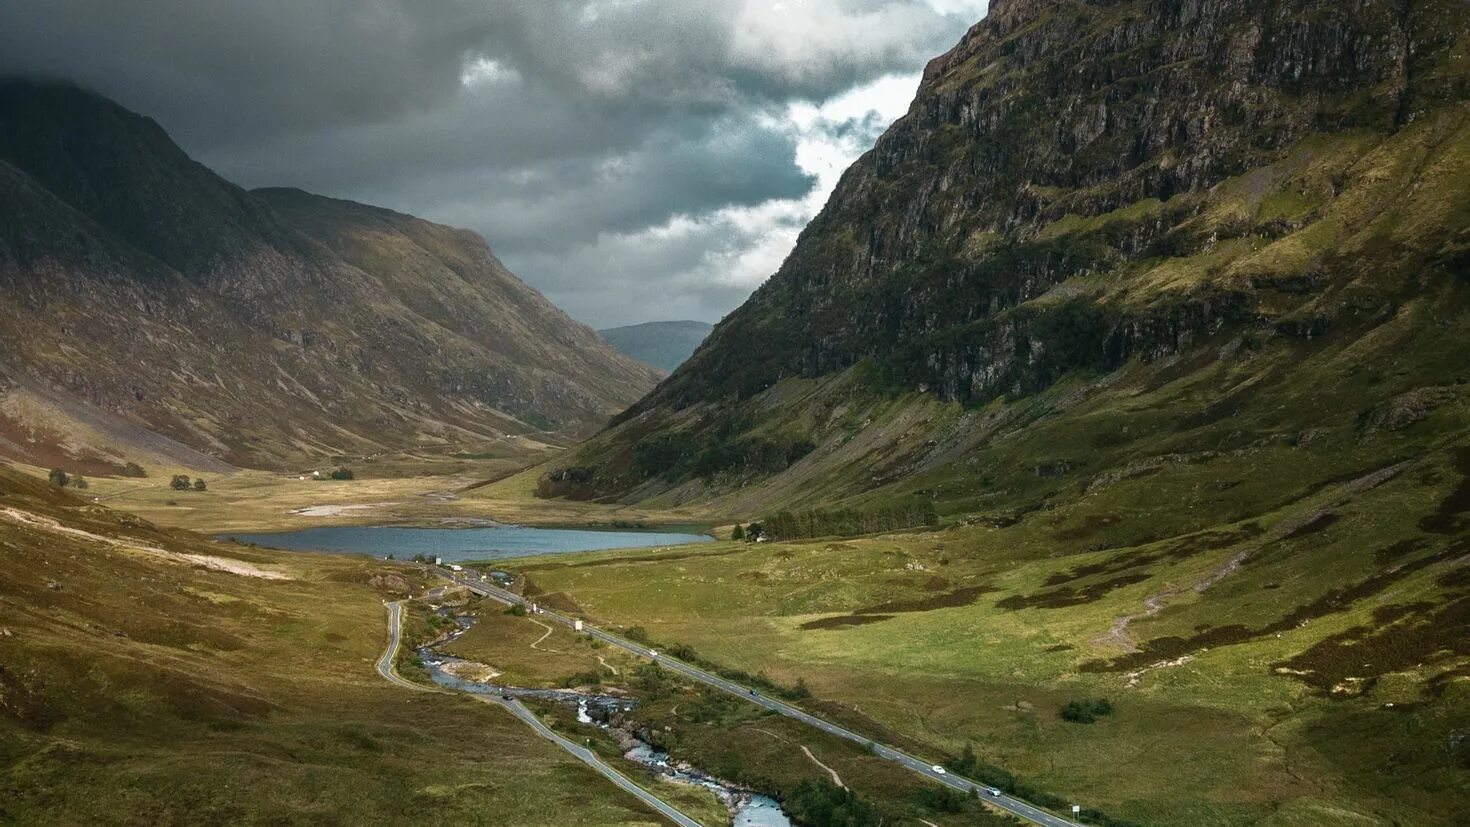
(144, 298)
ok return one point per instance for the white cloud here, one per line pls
(732, 250)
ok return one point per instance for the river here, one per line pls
(458, 545)
(748, 809)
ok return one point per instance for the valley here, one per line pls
(1103, 442)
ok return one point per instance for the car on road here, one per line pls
(753, 695)
(994, 792)
(938, 769)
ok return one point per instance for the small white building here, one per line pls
(576, 625)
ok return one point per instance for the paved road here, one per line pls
(586, 756)
(390, 655)
(1009, 804)
(591, 759)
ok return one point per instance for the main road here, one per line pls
(1009, 804)
(386, 668)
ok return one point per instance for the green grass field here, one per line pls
(725, 736)
(140, 686)
(1308, 665)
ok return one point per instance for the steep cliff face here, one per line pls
(1083, 186)
(259, 328)
(934, 243)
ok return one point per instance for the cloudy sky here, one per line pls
(636, 160)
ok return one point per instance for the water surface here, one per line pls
(454, 545)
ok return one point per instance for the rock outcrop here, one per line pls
(1084, 184)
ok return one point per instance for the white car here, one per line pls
(994, 792)
(938, 769)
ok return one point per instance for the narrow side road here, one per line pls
(1006, 803)
(386, 669)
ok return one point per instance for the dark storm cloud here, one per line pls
(554, 127)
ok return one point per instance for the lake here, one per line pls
(457, 545)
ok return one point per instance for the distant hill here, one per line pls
(142, 294)
(665, 345)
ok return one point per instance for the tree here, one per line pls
(342, 474)
(180, 482)
(200, 485)
(738, 533)
(79, 481)
(59, 478)
(1087, 711)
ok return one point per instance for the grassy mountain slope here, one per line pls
(1163, 308)
(1094, 207)
(144, 288)
(665, 345)
(151, 676)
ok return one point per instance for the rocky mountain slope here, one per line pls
(1088, 203)
(665, 345)
(148, 300)
(1160, 309)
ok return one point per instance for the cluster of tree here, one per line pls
(577, 474)
(821, 803)
(61, 479)
(788, 525)
(1087, 710)
(673, 454)
(181, 482)
(342, 474)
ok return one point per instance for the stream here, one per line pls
(749, 809)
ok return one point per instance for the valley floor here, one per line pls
(1257, 674)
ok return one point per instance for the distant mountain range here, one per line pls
(150, 307)
(665, 345)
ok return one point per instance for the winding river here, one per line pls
(748, 809)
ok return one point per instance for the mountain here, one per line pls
(665, 345)
(1106, 236)
(151, 307)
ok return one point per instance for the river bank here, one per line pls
(606, 711)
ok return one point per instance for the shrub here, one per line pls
(738, 533)
(59, 478)
(200, 485)
(180, 482)
(343, 474)
(1087, 711)
(79, 481)
(824, 804)
(941, 799)
(134, 470)
(788, 525)
(517, 610)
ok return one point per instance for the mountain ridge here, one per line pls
(1082, 189)
(267, 346)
